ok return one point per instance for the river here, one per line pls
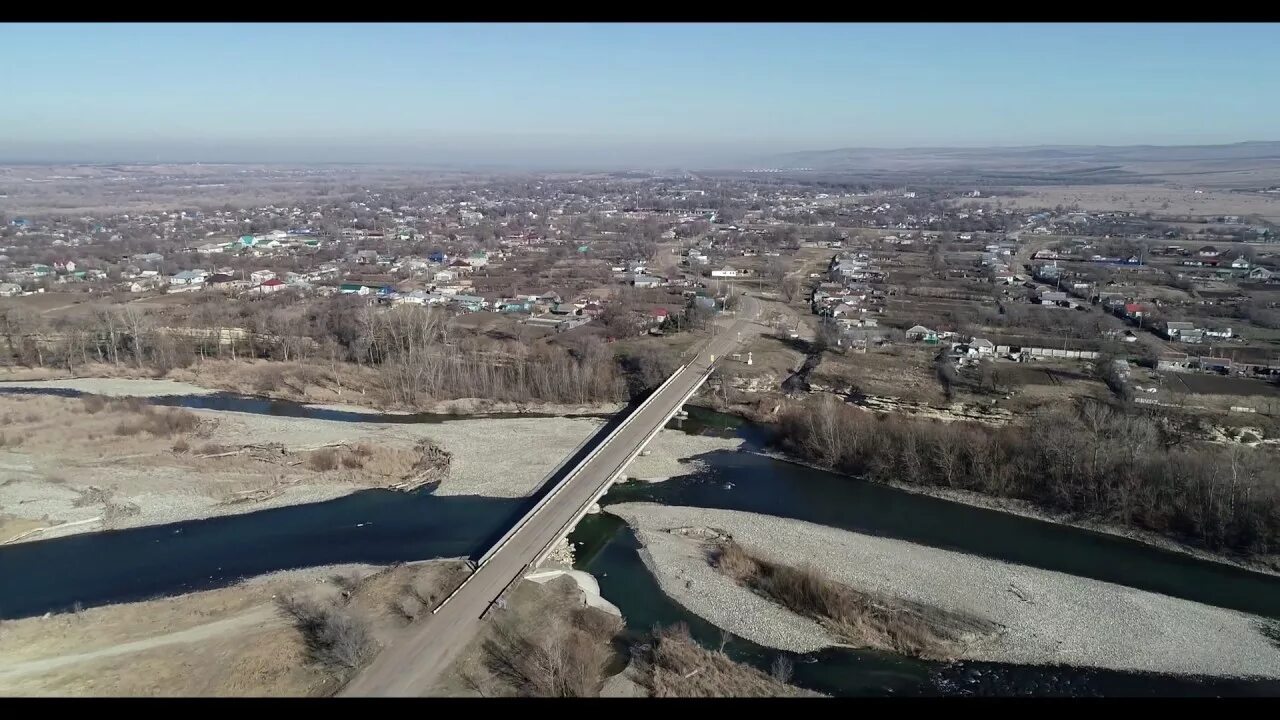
(378, 526)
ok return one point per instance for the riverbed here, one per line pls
(711, 472)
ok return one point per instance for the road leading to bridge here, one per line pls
(410, 666)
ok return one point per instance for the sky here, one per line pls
(619, 94)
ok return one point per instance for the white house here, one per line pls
(983, 346)
(725, 271)
(261, 276)
(1240, 263)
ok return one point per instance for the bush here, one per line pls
(323, 460)
(857, 617)
(181, 446)
(128, 428)
(672, 664)
(160, 424)
(554, 659)
(94, 403)
(335, 639)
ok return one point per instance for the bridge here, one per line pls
(411, 665)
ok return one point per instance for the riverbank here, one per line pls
(231, 641)
(1270, 565)
(69, 466)
(345, 387)
(1046, 617)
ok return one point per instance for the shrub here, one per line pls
(181, 446)
(857, 617)
(128, 428)
(323, 460)
(94, 403)
(213, 449)
(335, 639)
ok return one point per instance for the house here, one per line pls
(460, 266)
(514, 305)
(1177, 361)
(1134, 310)
(355, 289)
(1053, 297)
(1175, 330)
(1215, 364)
(1123, 335)
(645, 281)
(65, 267)
(1208, 251)
(725, 272)
(366, 257)
(1240, 263)
(844, 308)
(920, 332)
(211, 248)
(218, 279)
(261, 276)
(472, 303)
(187, 277)
(478, 259)
(438, 256)
(270, 286)
(983, 346)
(10, 289)
(659, 314)
(1260, 273)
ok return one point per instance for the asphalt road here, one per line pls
(410, 666)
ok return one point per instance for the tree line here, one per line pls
(419, 357)
(1091, 461)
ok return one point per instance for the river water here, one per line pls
(378, 526)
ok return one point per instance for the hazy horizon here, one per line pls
(620, 95)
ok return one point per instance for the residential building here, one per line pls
(1175, 330)
(272, 285)
(922, 333)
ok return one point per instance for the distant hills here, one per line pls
(1061, 162)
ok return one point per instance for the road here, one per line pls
(411, 666)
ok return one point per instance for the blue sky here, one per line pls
(347, 92)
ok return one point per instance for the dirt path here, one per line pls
(256, 617)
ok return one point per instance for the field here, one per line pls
(1173, 201)
(1201, 384)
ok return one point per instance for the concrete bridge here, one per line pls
(411, 666)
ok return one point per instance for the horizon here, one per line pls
(620, 95)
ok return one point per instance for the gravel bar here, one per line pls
(1047, 617)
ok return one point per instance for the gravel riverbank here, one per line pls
(1047, 617)
(672, 453)
(115, 387)
(44, 481)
